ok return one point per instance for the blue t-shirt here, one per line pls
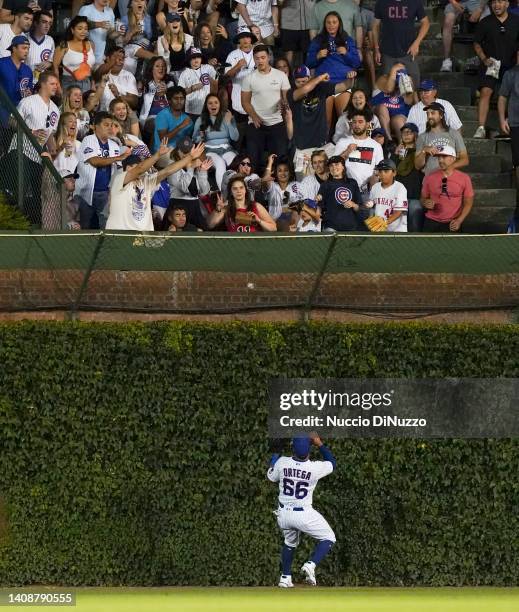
(103, 174)
(395, 104)
(17, 83)
(165, 120)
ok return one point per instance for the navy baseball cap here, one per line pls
(301, 72)
(435, 106)
(336, 159)
(378, 132)
(386, 164)
(301, 446)
(131, 160)
(18, 40)
(427, 85)
(185, 145)
(410, 126)
(194, 52)
(171, 17)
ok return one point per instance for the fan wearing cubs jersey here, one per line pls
(297, 477)
(390, 197)
(199, 81)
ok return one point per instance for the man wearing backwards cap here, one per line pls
(132, 189)
(308, 104)
(447, 194)
(428, 92)
(297, 477)
(438, 134)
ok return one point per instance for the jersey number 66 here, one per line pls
(299, 491)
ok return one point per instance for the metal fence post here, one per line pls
(19, 168)
(308, 306)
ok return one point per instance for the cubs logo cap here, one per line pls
(427, 85)
(301, 446)
(244, 32)
(185, 145)
(18, 40)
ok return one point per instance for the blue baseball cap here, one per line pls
(171, 17)
(301, 72)
(301, 447)
(410, 126)
(378, 132)
(427, 85)
(18, 40)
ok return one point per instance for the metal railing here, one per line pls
(28, 181)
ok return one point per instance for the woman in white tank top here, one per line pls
(75, 56)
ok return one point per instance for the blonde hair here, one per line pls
(61, 131)
(65, 106)
(132, 19)
(168, 35)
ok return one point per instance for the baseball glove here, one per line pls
(376, 224)
(277, 445)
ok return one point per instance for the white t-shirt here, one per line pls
(260, 12)
(125, 83)
(188, 78)
(360, 165)
(6, 36)
(298, 477)
(232, 59)
(98, 35)
(130, 204)
(388, 200)
(418, 116)
(266, 93)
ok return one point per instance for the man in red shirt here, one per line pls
(447, 194)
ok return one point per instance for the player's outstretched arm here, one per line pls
(326, 453)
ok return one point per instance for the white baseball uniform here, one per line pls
(188, 78)
(232, 59)
(388, 200)
(40, 51)
(6, 36)
(260, 12)
(38, 115)
(125, 83)
(295, 515)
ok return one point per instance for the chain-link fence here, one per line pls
(216, 273)
(29, 182)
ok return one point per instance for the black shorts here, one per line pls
(488, 81)
(514, 141)
(295, 40)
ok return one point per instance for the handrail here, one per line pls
(20, 123)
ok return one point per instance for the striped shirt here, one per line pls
(40, 51)
(188, 78)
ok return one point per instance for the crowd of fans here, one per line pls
(246, 115)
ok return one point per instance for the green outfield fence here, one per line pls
(28, 181)
(214, 272)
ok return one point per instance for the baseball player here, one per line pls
(297, 477)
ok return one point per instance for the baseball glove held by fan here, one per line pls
(376, 224)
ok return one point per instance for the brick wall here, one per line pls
(210, 291)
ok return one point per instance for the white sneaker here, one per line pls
(309, 570)
(285, 582)
(446, 65)
(480, 132)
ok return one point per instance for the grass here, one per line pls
(300, 599)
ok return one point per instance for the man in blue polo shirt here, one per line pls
(15, 75)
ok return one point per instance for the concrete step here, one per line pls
(479, 146)
(457, 95)
(470, 113)
(434, 46)
(495, 198)
(453, 79)
(491, 181)
(468, 129)
(487, 164)
(488, 219)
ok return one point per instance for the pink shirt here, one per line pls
(449, 202)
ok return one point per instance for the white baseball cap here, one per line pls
(445, 150)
